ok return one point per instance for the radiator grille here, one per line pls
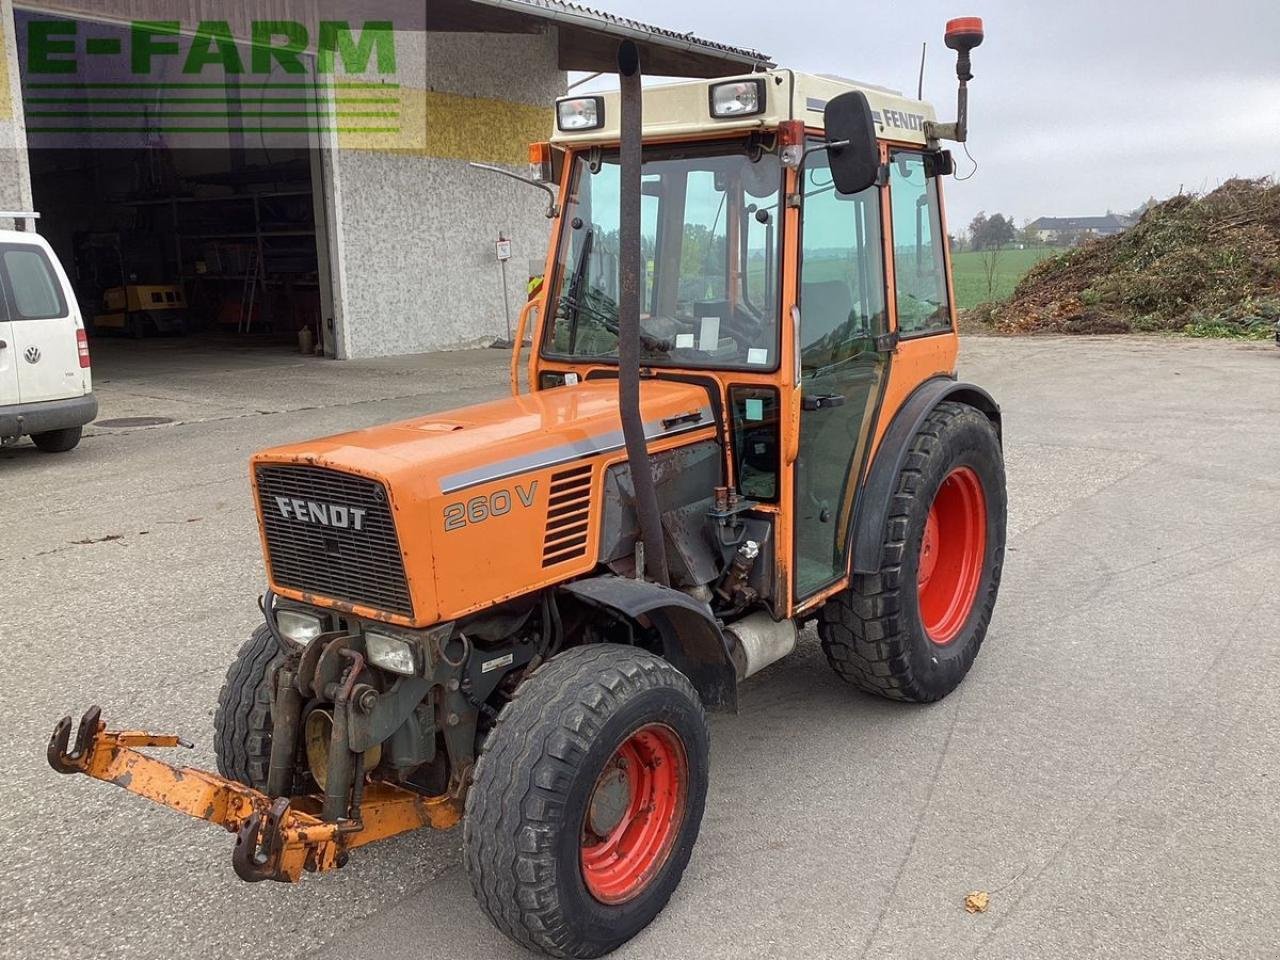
(568, 516)
(314, 547)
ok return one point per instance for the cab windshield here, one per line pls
(709, 236)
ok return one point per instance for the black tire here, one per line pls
(873, 633)
(58, 441)
(242, 724)
(526, 812)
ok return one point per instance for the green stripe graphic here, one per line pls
(227, 129)
(180, 101)
(213, 86)
(197, 114)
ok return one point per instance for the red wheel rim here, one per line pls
(952, 552)
(634, 814)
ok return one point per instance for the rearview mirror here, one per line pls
(853, 153)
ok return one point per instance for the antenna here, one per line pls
(924, 48)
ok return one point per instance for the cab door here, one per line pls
(842, 368)
(43, 324)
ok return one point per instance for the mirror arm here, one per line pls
(553, 209)
(817, 147)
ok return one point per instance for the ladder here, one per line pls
(250, 292)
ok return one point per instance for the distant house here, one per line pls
(1067, 230)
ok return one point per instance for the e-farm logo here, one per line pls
(157, 77)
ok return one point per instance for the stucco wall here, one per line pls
(15, 175)
(414, 228)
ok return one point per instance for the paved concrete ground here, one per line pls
(1108, 771)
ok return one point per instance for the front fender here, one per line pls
(873, 500)
(692, 640)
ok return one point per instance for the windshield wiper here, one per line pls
(587, 309)
(575, 286)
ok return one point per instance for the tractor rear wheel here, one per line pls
(912, 630)
(587, 800)
(242, 724)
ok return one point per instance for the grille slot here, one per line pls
(362, 566)
(568, 516)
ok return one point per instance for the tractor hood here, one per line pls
(428, 519)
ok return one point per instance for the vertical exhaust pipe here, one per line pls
(646, 495)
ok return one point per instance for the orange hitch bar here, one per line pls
(276, 838)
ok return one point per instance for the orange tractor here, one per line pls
(741, 416)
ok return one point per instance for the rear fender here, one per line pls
(873, 500)
(691, 637)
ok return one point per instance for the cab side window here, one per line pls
(919, 268)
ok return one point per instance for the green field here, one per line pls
(971, 277)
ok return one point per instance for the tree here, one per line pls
(990, 261)
(990, 235)
(994, 231)
(977, 227)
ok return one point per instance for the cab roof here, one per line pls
(682, 109)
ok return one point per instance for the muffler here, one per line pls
(758, 640)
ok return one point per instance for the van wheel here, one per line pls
(58, 441)
(587, 800)
(912, 630)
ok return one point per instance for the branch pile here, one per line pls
(1208, 266)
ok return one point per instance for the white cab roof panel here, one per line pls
(683, 109)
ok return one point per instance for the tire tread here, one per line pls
(517, 795)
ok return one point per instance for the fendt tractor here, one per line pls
(739, 415)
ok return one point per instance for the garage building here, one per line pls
(212, 174)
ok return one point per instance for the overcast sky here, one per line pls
(1076, 107)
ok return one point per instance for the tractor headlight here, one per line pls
(580, 113)
(738, 98)
(390, 653)
(297, 626)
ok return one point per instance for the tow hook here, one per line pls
(256, 856)
(77, 760)
(72, 762)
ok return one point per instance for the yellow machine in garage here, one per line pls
(137, 308)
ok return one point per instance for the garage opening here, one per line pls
(193, 232)
(219, 245)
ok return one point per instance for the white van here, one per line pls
(46, 384)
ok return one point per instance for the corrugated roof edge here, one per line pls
(634, 29)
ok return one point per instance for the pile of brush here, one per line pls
(1207, 266)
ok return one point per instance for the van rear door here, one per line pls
(8, 359)
(43, 320)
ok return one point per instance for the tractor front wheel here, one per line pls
(587, 800)
(912, 630)
(242, 724)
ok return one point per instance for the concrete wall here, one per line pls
(413, 227)
(15, 175)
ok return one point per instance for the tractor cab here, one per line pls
(762, 278)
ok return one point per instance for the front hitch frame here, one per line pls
(276, 838)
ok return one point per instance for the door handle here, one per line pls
(694, 416)
(822, 401)
(3, 344)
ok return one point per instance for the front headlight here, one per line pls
(738, 98)
(297, 626)
(580, 113)
(390, 653)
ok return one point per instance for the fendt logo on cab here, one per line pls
(323, 514)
